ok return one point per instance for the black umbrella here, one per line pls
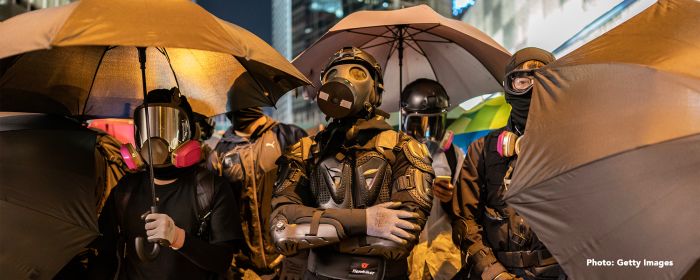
(48, 194)
(609, 174)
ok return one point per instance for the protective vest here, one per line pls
(510, 237)
(252, 164)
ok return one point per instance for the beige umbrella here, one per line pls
(414, 43)
(86, 49)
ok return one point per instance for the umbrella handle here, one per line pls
(145, 256)
(142, 243)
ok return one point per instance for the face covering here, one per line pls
(520, 107)
(245, 117)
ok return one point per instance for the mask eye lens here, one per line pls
(358, 73)
(522, 83)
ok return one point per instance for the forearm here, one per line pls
(296, 227)
(210, 257)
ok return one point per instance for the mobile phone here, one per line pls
(447, 179)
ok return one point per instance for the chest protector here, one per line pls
(253, 165)
(357, 178)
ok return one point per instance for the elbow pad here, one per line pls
(307, 233)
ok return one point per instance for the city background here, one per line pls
(293, 25)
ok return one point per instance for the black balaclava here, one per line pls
(521, 103)
(244, 117)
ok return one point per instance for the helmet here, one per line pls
(424, 105)
(351, 84)
(519, 74)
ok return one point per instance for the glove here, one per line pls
(507, 276)
(387, 223)
(162, 227)
(496, 271)
(443, 190)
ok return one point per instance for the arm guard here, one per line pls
(297, 226)
(412, 185)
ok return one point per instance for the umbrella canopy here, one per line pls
(414, 43)
(86, 49)
(473, 124)
(48, 194)
(611, 152)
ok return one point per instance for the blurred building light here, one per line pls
(461, 6)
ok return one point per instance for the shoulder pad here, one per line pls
(387, 139)
(301, 150)
(417, 153)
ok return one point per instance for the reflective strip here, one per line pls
(323, 95)
(345, 104)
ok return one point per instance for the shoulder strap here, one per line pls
(205, 193)
(123, 194)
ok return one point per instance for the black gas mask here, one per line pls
(351, 85)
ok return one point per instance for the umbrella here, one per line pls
(86, 57)
(48, 199)
(611, 152)
(217, 65)
(474, 123)
(414, 43)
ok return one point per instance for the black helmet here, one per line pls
(346, 88)
(424, 105)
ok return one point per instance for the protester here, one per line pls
(197, 216)
(246, 156)
(424, 105)
(358, 193)
(495, 240)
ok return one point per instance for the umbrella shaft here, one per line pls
(142, 61)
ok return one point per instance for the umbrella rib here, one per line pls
(368, 34)
(391, 52)
(380, 44)
(167, 57)
(426, 58)
(431, 33)
(94, 77)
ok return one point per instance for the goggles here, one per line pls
(519, 82)
(425, 126)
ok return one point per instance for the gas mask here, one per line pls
(347, 89)
(351, 84)
(172, 141)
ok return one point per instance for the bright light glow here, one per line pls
(458, 6)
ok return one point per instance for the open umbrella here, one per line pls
(476, 122)
(48, 194)
(611, 152)
(414, 43)
(86, 56)
(83, 55)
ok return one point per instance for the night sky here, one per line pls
(254, 15)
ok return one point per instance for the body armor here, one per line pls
(340, 182)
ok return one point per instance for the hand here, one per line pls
(162, 227)
(443, 190)
(387, 223)
(507, 276)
